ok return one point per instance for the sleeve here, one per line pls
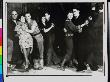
(72, 27)
(17, 29)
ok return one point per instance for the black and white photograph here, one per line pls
(55, 39)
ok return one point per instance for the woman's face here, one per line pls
(47, 16)
(70, 16)
(22, 19)
(43, 19)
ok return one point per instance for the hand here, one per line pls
(26, 30)
(65, 30)
(53, 25)
(17, 35)
(86, 22)
(79, 27)
(80, 30)
(90, 18)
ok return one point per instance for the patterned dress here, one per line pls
(25, 39)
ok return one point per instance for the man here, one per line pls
(16, 59)
(80, 39)
(35, 32)
(95, 60)
(49, 33)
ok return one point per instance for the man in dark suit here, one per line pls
(96, 34)
(16, 59)
(80, 40)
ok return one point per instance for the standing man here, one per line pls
(16, 59)
(49, 31)
(80, 39)
(95, 60)
(35, 32)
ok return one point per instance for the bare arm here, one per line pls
(32, 28)
(86, 21)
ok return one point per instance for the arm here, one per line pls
(47, 30)
(86, 21)
(33, 27)
(71, 26)
(32, 30)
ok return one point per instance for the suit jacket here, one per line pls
(10, 29)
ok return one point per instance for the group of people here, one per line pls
(25, 31)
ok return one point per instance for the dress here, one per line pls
(25, 39)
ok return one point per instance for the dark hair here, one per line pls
(76, 7)
(27, 13)
(68, 13)
(46, 12)
(99, 6)
(19, 16)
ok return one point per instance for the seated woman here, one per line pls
(25, 39)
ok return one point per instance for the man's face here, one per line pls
(47, 16)
(28, 16)
(76, 12)
(14, 15)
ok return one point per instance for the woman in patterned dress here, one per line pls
(25, 39)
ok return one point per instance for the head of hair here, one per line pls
(19, 16)
(27, 13)
(76, 7)
(46, 12)
(99, 6)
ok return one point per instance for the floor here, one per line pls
(53, 70)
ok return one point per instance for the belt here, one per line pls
(36, 34)
(69, 34)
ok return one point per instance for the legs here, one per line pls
(69, 48)
(50, 50)
(26, 52)
(41, 51)
(38, 64)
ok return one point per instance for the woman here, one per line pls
(69, 30)
(25, 39)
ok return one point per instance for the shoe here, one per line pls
(36, 66)
(93, 67)
(40, 68)
(61, 68)
(81, 68)
(41, 62)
